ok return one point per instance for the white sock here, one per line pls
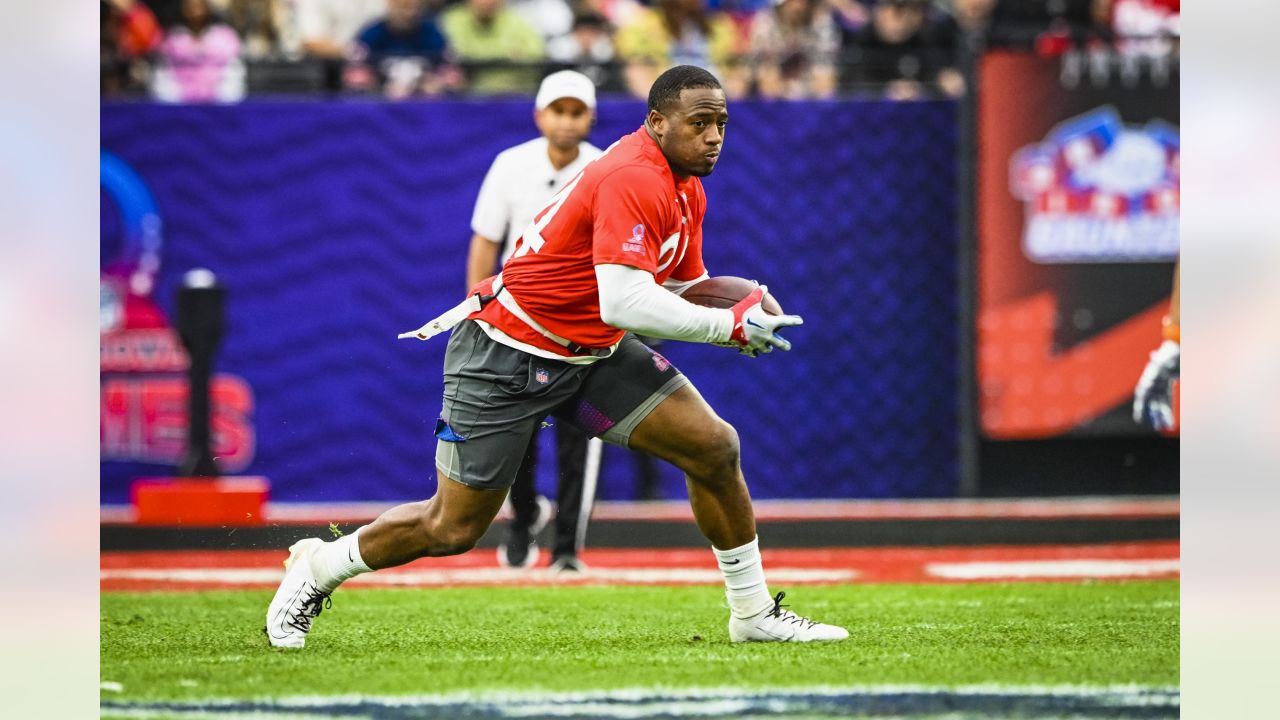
(744, 579)
(338, 561)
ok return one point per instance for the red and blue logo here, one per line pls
(1097, 190)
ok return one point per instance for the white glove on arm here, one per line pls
(754, 330)
(1153, 397)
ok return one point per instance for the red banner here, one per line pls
(1077, 212)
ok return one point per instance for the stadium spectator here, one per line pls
(586, 48)
(405, 52)
(973, 16)
(130, 32)
(794, 49)
(167, 12)
(743, 8)
(266, 28)
(132, 28)
(1143, 27)
(617, 12)
(522, 181)
(486, 36)
(741, 12)
(327, 28)
(850, 14)
(199, 59)
(899, 55)
(681, 32)
(1049, 27)
(963, 29)
(551, 18)
(506, 369)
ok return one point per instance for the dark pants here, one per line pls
(573, 509)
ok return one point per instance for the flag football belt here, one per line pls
(475, 302)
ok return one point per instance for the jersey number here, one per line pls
(531, 240)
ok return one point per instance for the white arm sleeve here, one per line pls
(631, 299)
(679, 286)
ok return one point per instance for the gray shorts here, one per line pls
(496, 397)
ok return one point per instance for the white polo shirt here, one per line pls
(521, 182)
(337, 20)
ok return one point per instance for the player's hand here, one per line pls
(754, 330)
(1153, 398)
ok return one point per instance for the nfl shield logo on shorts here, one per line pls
(542, 376)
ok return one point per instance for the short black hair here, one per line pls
(590, 19)
(666, 89)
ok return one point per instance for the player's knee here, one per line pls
(451, 536)
(462, 537)
(717, 453)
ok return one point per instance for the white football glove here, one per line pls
(1153, 397)
(754, 330)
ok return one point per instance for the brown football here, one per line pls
(725, 291)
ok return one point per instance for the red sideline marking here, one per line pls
(772, 510)
(261, 568)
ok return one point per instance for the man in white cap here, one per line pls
(521, 181)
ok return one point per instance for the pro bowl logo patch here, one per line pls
(1099, 191)
(541, 376)
(635, 243)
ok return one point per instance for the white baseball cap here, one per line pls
(566, 84)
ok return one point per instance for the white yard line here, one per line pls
(479, 576)
(917, 700)
(1024, 569)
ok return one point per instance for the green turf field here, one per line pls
(176, 646)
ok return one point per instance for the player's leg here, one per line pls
(646, 467)
(637, 399)
(530, 513)
(449, 523)
(491, 407)
(578, 463)
(685, 431)
(647, 479)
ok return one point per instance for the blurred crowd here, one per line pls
(220, 50)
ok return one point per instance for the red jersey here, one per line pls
(624, 208)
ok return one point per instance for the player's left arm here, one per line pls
(632, 299)
(628, 253)
(1153, 396)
